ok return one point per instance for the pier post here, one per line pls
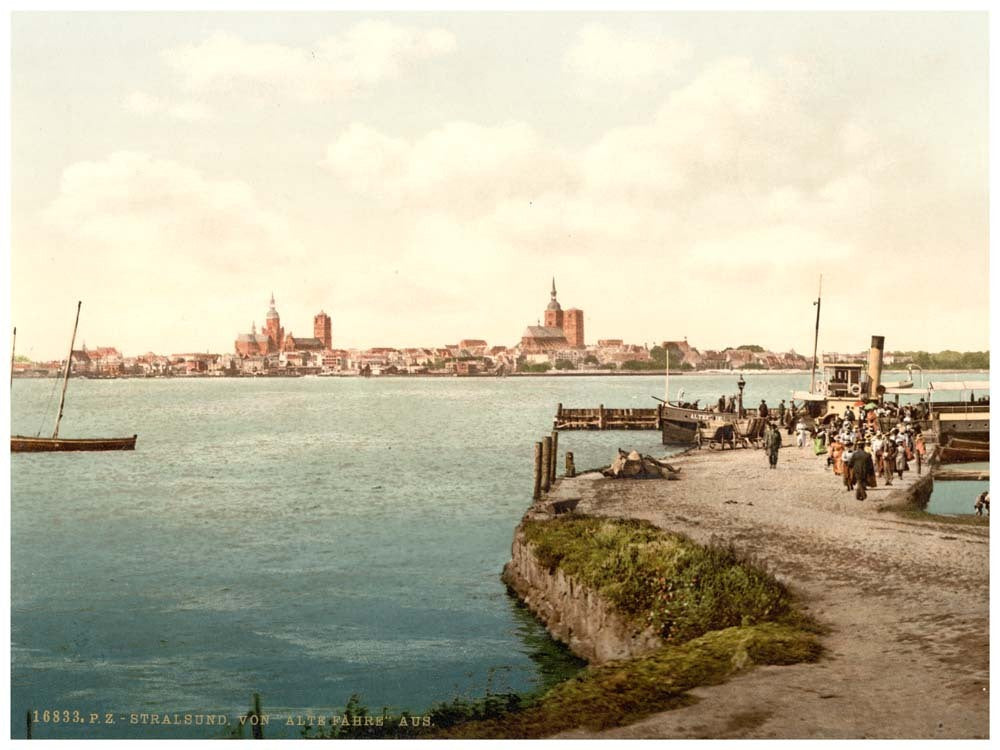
(537, 493)
(546, 458)
(554, 457)
(27, 725)
(570, 466)
(600, 417)
(256, 727)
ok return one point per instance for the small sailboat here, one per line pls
(25, 444)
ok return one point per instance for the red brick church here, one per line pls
(563, 329)
(272, 338)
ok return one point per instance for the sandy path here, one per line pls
(907, 601)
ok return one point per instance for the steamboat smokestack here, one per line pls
(875, 365)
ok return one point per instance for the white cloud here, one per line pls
(146, 105)
(460, 166)
(366, 54)
(602, 57)
(131, 207)
(734, 176)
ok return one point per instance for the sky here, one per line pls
(422, 177)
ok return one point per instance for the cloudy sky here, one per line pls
(421, 177)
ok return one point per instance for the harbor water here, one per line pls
(958, 497)
(307, 539)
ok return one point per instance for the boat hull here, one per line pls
(22, 444)
(949, 455)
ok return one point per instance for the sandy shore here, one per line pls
(907, 602)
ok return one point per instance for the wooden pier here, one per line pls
(607, 419)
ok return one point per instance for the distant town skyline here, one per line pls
(422, 177)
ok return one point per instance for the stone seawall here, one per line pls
(573, 613)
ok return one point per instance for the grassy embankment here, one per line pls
(718, 612)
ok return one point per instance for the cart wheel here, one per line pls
(712, 445)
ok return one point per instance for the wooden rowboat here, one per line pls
(965, 443)
(22, 444)
(949, 454)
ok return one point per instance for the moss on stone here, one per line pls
(620, 693)
(662, 579)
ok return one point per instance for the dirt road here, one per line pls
(907, 601)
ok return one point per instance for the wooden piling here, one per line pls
(27, 725)
(570, 466)
(554, 457)
(256, 728)
(600, 417)
(537, 493)
(546, 458)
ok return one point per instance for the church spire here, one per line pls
(553, 303)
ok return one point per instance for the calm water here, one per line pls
(957, 498)
(304, 538)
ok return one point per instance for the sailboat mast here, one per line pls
(666, 378)
(13, 348)
(69, 358)
(819, 299)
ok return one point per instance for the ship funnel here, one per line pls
(875, 365)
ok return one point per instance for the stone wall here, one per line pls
(572, 613)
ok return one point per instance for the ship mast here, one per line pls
(69, 358)
(13, 348)
(819, 299)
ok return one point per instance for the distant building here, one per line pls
(273, 340)
(562, 329)
(323, 330)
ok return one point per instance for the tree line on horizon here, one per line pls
(947, 359)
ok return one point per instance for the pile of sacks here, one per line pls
(633, 466)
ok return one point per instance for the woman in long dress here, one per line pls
(837, 454)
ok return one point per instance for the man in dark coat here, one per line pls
(781, 412)
(772, 442)
(862, 467)
(762, 409)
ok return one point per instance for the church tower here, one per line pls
(323, 330)
(273, 329)
(554, 313)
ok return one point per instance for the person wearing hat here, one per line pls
(862, 472)
(848, 454)
(901, 454)
(888, 460)
(772, 442)
(762, 409)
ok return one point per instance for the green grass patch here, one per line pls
(719, 612)
(662, 579)
(623, 692)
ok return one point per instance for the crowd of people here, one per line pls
(860, 444)
(868, 441)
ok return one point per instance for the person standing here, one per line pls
(848, 454)
(888, 460)
(803, 433)
(781, 412)
(861, 468)
(762, 409)
(772, 442)
(837, 456)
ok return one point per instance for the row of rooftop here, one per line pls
(467, 357)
